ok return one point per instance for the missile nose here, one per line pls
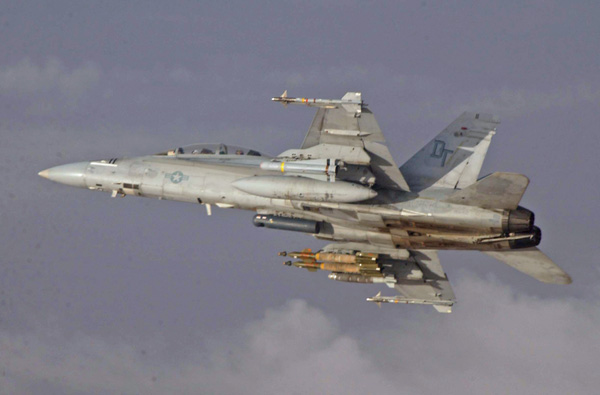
(70, 174)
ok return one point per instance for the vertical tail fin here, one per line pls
(454, 157)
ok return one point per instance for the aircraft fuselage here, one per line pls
(393, 219)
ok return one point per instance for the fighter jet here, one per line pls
(384, 223)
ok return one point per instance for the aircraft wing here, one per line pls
(348, 124)
(434, 287)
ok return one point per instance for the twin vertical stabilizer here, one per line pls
(454, 157)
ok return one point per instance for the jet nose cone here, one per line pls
(44, 173)
(71, 174)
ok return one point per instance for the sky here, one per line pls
(134, 295)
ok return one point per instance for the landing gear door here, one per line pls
(134, 179)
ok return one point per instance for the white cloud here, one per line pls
(47, 89)
(294, 349)
(520, 101)
(496, 341)
(501, 342)
(343, 74)
(424, 96)
(182, 75)
(27, 78)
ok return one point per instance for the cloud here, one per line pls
(342, 74)
(293, 349)
(182, 75)
(496, 341)
(426, 96)
(46, 89)
(500, 341)
(27, 78)
(521, 101)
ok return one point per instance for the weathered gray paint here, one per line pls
(377, 212)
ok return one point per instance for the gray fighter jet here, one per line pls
(385, 222)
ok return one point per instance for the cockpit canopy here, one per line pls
(211, 149)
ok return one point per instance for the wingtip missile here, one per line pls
(377, 302)
(282, 99)
(351, 102)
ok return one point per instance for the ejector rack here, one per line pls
(360, 267)
(405, 275)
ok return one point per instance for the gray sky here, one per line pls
(101, 295)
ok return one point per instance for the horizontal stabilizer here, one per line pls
(534, 263)
(496, 191)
